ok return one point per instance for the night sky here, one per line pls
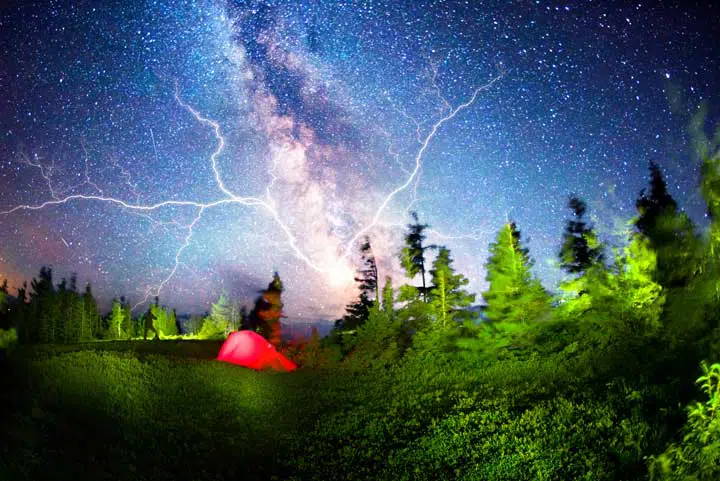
(193, 147)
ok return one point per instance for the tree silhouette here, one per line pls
(368, 273)
(412, 256)
(580, 248)
(670, 232)
(357, 312)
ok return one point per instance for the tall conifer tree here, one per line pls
(580, 248)
(514, 294)
(368, 273)
(670, 232)
(412, 256)
(447, 295)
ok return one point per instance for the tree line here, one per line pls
(635, 290)
(48, 313)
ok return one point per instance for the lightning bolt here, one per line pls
(144, 209)
(267, 203)
(418, 160)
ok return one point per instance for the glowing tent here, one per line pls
(250, 349)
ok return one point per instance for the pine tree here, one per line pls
(388, 297)
(4, 303)
(221, 311)
(368, 273)
(412, 257)
(165, 322)
(128, 327)
(580, 248)
(671, 232)
(44, 308)
(92, 327)
(357, 313)
(446, 295)
(117, 317)
(514, 295)
(19, 316)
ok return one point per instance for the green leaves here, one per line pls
(697, 458)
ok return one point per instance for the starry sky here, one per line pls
(190, 147)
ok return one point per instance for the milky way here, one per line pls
(191, 147)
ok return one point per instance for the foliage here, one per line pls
(697, 457)
(165, 320)
(212, 329)
(447, 295)
(117, 320)
(514, 294)
(312, 353)
(368, 274)
(378, 342)
(55, 314)
(357, 312)
(671, 232)
(412, 256)
(580, 249)
(8, 338)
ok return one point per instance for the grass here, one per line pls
(147, 410)
(165, 410)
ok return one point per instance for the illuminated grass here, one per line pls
(117, 410)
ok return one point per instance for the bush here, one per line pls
(8, 339)
(697, 457)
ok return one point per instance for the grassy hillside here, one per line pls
(119, 411)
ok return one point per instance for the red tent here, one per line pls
(250, 349)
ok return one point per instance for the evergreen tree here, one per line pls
(4, 303)
(117, 317)
(217, 324)
(91, 327)
(20, 314)
(412, 257)
(44, 309)
(388, 297)
(378, 341)
(514, 294)
(671, 232)
(64, 323)
(78, 316)
(165, 321)
(580, 248)
(128, 326)
(446, 295)
(221, 311)
(368, 273)
(357, 313)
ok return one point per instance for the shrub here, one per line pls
(8, 339)
(697, 457)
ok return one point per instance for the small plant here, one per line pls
(697, 458)
(8, 338)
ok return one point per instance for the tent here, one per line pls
(250, 349)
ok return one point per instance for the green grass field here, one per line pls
(166, 410)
